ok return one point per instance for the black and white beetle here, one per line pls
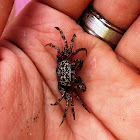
(67, 74)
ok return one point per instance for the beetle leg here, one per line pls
(58, 50)
(65, 112)
(79, 84)
(72, 108)
(78, 64)
(80, 100)
(63, 37)
(71, 45)
(59, 100)
(69, 51)
(76, 51)
(53, 46)
(63, 92)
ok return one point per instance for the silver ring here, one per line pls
(94, 24)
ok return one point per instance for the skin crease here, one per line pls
(28, 81)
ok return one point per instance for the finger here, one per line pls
(129, 46)
(121, 13)
(71, 8)
(5, 10)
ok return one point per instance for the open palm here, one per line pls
(28, 81)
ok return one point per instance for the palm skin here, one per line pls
(29, 83)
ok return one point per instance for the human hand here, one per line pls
(29, 82)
